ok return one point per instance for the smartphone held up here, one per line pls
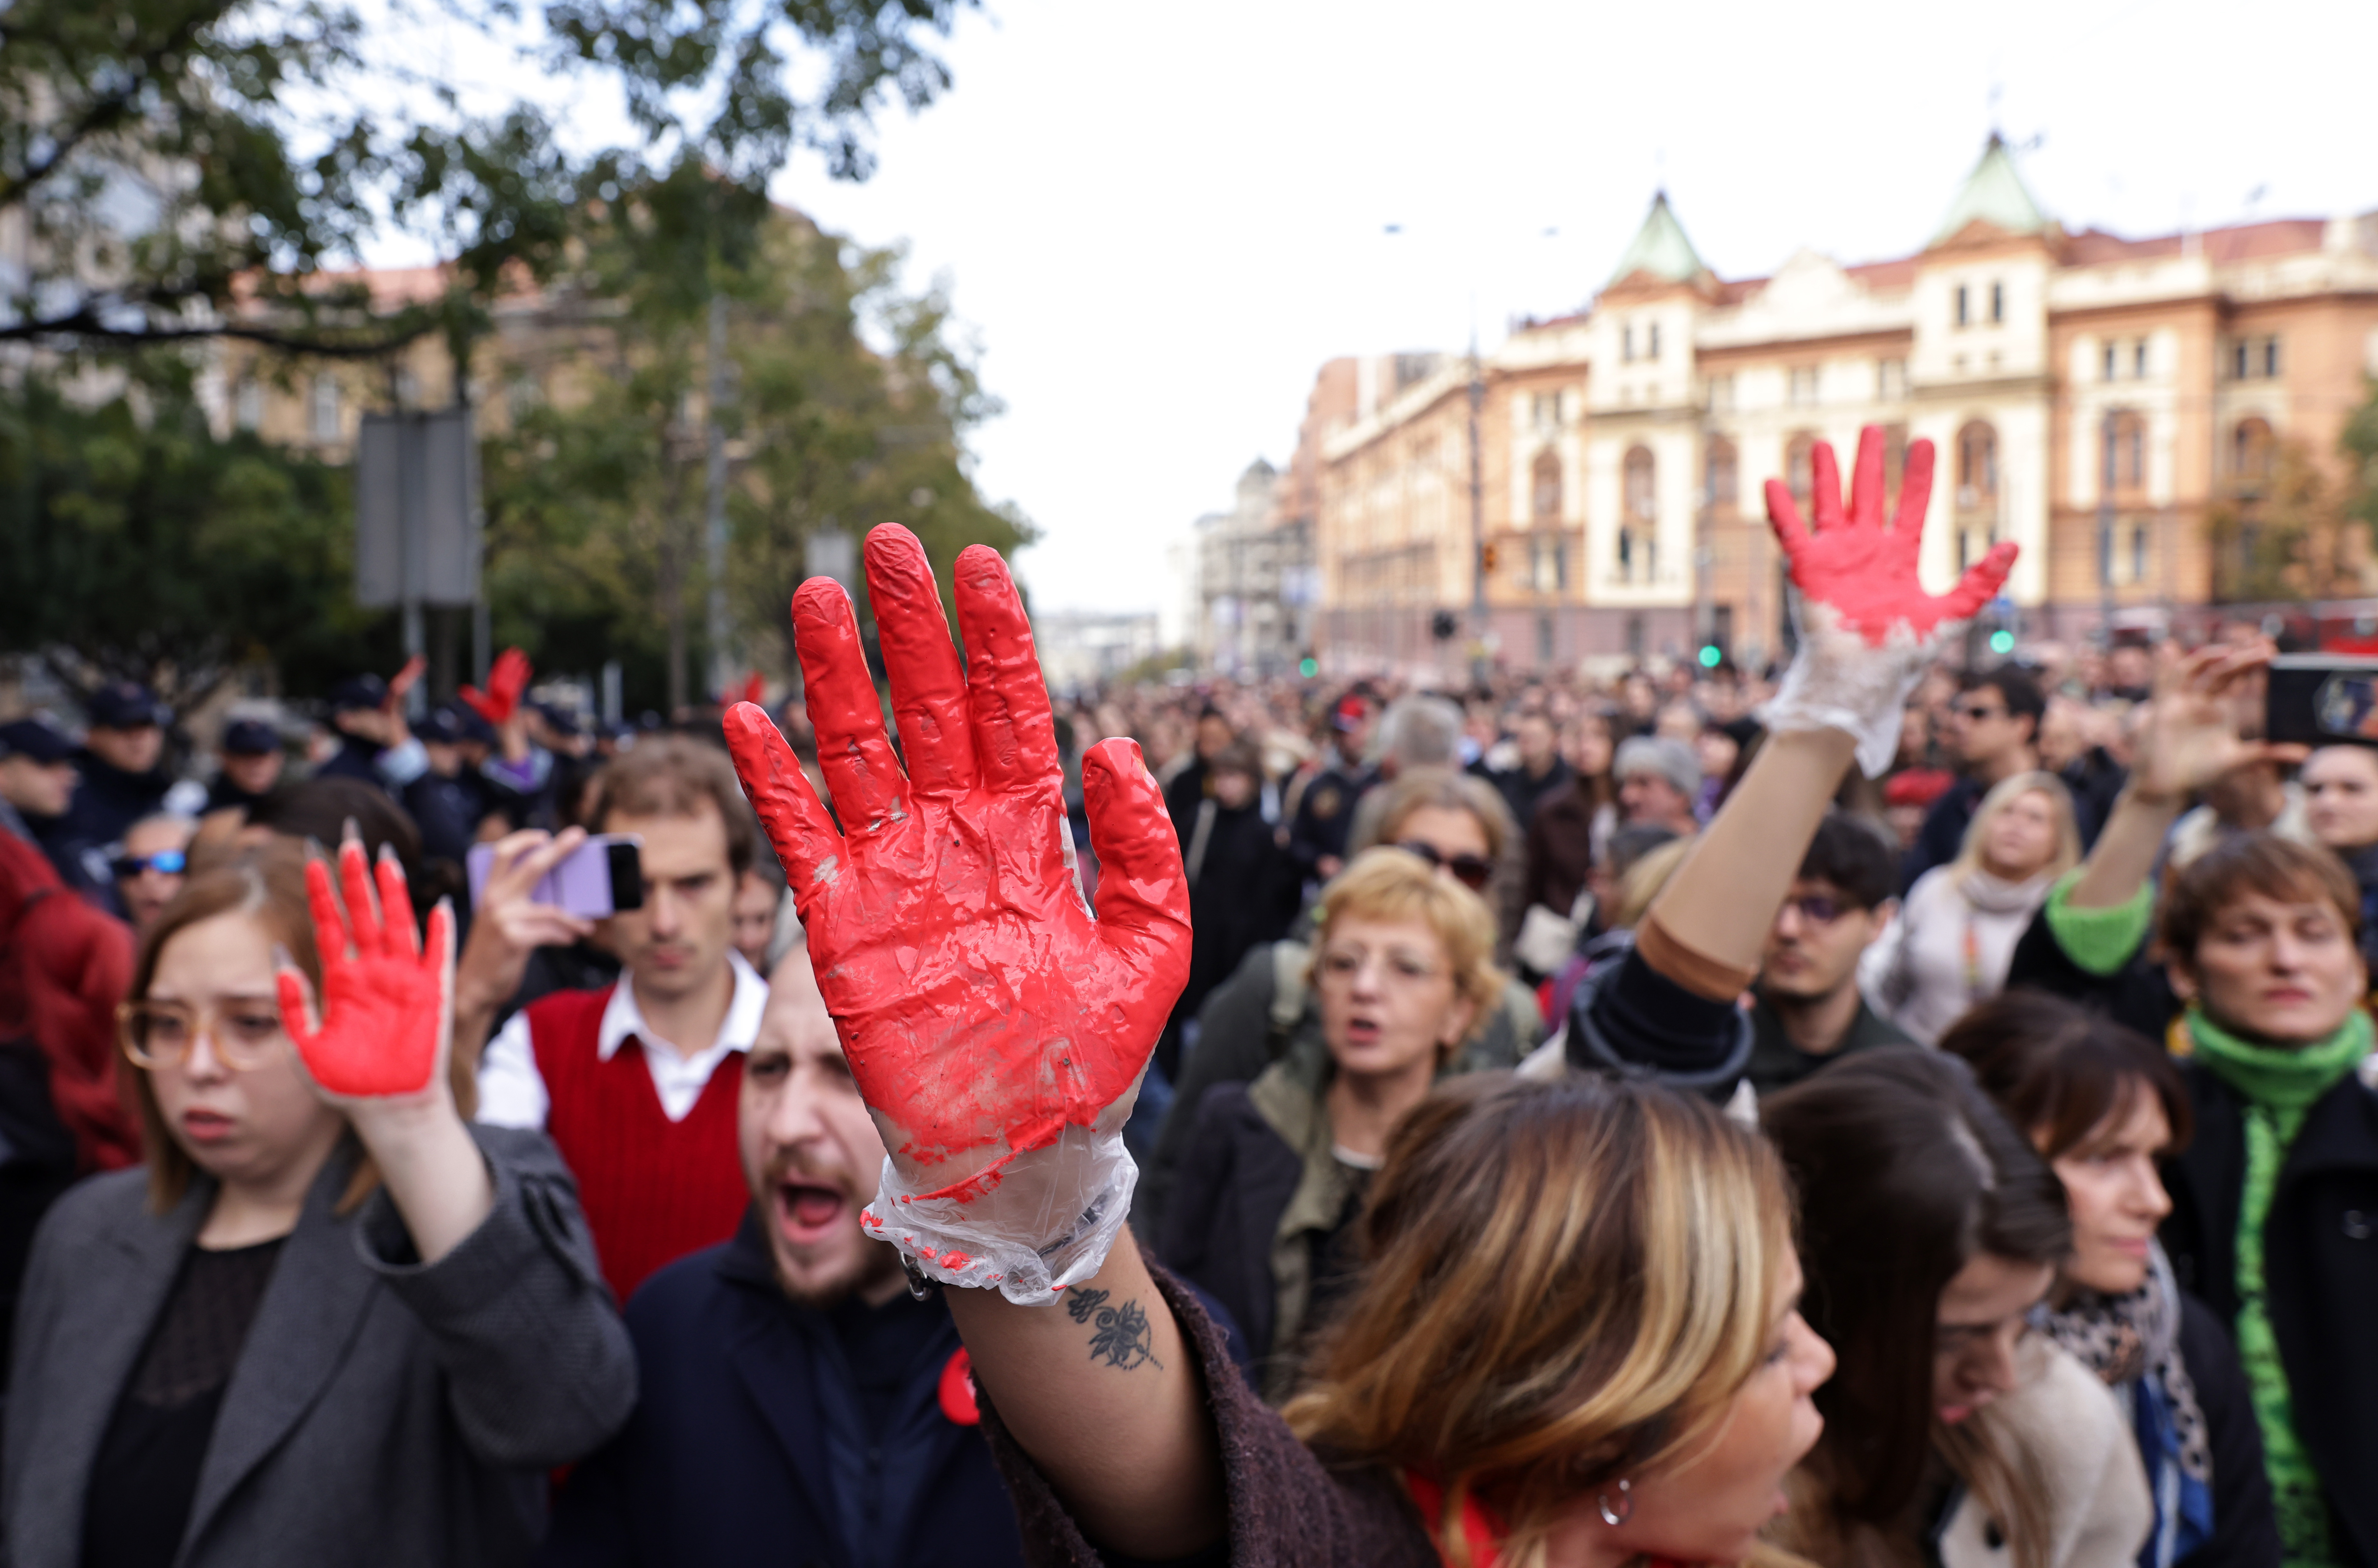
(600, 877)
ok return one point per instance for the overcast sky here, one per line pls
(1160, 219)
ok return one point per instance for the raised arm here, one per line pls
(1866, 631)
(2189, 739)
(996, 1027)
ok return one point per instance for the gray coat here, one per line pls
(380, 1412)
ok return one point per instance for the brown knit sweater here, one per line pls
(1286, 1507)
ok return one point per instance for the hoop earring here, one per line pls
(1617, 1516)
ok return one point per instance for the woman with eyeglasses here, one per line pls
(330, 1321)
(1457, 825)
(1275, 1171)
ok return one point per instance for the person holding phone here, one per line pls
(636, 1080)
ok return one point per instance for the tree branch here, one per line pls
(102, 113)
(86, 324)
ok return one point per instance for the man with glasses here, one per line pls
(148, 865)
(1808, 1009)
(1994, 734)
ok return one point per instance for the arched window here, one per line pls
(1800, 460)
(1544, 504)
(1977, 466)
(2251, 446)
(2128, 458)
(1642, 494)
(1722, 471)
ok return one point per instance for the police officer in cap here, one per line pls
(37, 783)
(252, 761)
(122, 763)
(375, 745)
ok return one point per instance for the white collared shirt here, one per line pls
(513, 1094)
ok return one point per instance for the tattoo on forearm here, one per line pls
(1120, 1337)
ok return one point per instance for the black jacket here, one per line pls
(2319, 1253)
(109, 800)
(2320, 1256)
(753, 1441)
(2245, 1530)
(1943, 833)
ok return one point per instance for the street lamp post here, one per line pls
(2106, 538)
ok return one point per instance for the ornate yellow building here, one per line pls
(2098, 400)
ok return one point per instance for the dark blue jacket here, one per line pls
(750, 1441)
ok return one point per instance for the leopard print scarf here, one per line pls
(2122, 1338)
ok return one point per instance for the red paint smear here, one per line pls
(383, 1004)
(1864, 571)
(956, 1390)
(981, 1009)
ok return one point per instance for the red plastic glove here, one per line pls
(1865, 575)
(1867, 627)
(507, 678)
(386, 1025)
(986, 1013)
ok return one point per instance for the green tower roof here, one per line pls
(1993, 193)
(1660, 248)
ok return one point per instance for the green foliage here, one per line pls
(595, 500)
(2357, 443)
(178, 164)
(134, 540)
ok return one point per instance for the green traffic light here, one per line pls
(1709, 655)
(1309, 668)
(2002, 642)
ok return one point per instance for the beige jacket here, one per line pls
(2098, 1508)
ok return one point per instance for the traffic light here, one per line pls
(1711, 655)
(1486, 558)
(2002, 642)
(1308, 667)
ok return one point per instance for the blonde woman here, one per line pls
(1956, 931)
(1275, 1170)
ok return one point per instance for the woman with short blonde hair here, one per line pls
(1274, 1170)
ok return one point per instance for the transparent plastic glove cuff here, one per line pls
(1048, 1222)
(1840, 681)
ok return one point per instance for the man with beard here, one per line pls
(636, 1082)
(798, 1405)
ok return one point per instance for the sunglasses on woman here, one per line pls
(1473, 871)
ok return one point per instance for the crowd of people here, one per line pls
(1881, 1110)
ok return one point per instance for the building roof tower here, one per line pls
(1660, 250)
(1993, 194)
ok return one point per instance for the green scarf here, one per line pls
(2279, 1086)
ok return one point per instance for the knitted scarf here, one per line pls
(2279, 1086)
(2133, 1342)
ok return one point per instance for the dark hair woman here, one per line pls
(330, 1322)
(1930, 1230)
(2257, 982)
(2103, 1106)
(1576, 1342)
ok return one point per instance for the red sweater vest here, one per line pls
(654, 1189)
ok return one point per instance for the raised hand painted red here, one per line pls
(981, 1005)
(507, 678)
(385, 1009)
(1864, 572)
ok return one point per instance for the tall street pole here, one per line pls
(2106, 538)
(721, 672)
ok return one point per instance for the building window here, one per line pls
(2250, 451)
(1723, 483)
(248, 404)
(1895, 462)
(1626, 344)
(1548, 565)
(1804, 386)
(1643, 481)
(1964, 307)
(1998, 302)
(1652, 341)
(2270, 356)
(2239, 361)
(2125, 456)
(1799, 459)
(326, 407)
(1891, 379)
(2139, 359)
(1545, 502)
(1721, 389)
(2138, 552)
(2113, 352)
(1977, 466)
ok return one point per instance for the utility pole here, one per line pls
(1478, 656)
(721, 671)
